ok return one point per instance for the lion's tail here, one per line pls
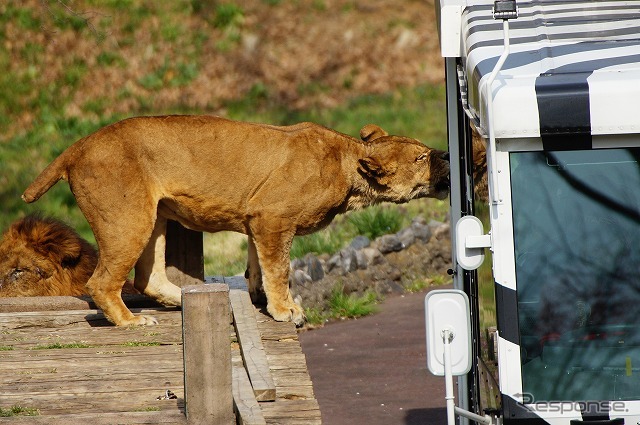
(54, 172)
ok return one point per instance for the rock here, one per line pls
(360, 242)
(406, 236)
(389, 243)
(334, 263)
(421, 229)
(299, 277)
(372, 256)
(361, 260)
(439, 230)
(314, 267)
(298, 263)
(349, 259)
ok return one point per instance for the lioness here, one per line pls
(213, 174)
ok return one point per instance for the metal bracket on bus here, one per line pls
(470, 242)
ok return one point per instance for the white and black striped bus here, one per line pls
(553, 89)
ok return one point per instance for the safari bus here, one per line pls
(546, 300)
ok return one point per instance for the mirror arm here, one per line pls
(447, 337)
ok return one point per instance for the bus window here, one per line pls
(576, 230)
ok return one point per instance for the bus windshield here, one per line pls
(577, 254)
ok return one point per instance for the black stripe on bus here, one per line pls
(568, 6)
(570, 24)
(589, 53)
(580, 36)
(516, 413)
(564, 112)
(595, 411)
(507, 314)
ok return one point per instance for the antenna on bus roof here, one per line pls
(505, 10)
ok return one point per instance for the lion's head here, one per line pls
(43, 256)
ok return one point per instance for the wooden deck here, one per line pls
(71, 367)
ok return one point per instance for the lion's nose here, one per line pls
(444, 155)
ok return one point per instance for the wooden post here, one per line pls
(207, 354)
(184, 255)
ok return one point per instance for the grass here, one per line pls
(58, 345)
(376, 221)
(351, 306)
(326, 242)
(141, 344)
(343, 306)
(18, 411)
(225, 254)
(423, 283)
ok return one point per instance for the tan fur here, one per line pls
(43, 257)
(481, 186)
(214, 174)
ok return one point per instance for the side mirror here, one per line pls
(447, 317)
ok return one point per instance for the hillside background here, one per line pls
(69, 67)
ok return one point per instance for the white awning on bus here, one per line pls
(574, 68)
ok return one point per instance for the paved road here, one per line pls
(373, 370)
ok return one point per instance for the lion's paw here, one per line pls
(287, 313)
(140, 321)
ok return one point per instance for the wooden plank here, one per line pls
(292, 412)
(58, 319)
(207, 354)
(138, 418)
(22, 304)
(245, 404)
(113, 337)
(251, 347)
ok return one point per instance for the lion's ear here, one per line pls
(52, 239)
(371, 132)
(61, 251)
(370, 167)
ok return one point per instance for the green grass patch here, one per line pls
(58, 345)
(351, 306)
(376, 221)
(6, 348)
(315, 316)
(227, 15)
(141, 344)
(421, 284)
(18, 411)
(325, 242)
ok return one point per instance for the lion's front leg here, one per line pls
(272, 250)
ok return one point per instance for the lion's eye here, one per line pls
(16, 273)
(422, 157)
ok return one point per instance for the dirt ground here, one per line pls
(373, 370)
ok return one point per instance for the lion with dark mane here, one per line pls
(43, 256)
